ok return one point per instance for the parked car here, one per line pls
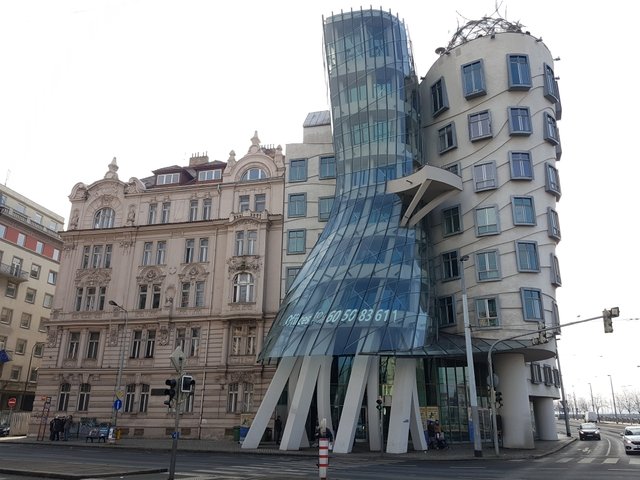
(631, 440)
(589, 431)
(5, 430)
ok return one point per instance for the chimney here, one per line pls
(198, 159)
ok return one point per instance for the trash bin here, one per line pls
(243, 433)
(236, 434)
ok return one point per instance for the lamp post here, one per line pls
(26, 381)
(118, 386)
(593, 405)
(473, 395)
(613, 397)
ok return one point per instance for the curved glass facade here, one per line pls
(365, 285)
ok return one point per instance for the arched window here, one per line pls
(243, 288)
(104, 218)
(253, 174)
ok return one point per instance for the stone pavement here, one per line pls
(80, 471)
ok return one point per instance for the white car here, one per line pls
(631, 440)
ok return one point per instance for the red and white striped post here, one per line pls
(323, 458)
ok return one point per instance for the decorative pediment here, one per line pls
(193, 273)
(246, 263)
(151, 274)
(93, 277)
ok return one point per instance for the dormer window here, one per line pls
(253, 174)
(205, 175)
(104, 218)
(167, 178)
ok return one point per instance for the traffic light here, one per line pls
(170, 391)
(607, 316)
(499, 399)
(379, 403)
(186, 384)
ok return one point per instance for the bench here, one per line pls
(97, 434)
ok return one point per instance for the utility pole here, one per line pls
(177, 359)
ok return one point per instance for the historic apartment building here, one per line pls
(30, 248)
(186, 257)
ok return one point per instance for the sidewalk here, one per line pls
(80, 471)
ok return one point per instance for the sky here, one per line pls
(152, 82)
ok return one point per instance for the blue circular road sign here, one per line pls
(117, 405)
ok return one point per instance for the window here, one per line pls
(83, 397)
(21, 239)
(247, 396)
(297, 205)
(193, 210)
(203, 251)
(532, 304)
(296, 240)
(11, 290)
(6, 316)
(232, 397)
(25, 320)
(37, 218)
(42, 327)
(21, 346)
(439, 100)
(194, 343)
(52, 278)
(92, 345)
(143, 291)
(206, 209)
(521, 166)
(450, 266)
(453, 168)
(145, 391)
(447, 138)
(181, 338)
(199, 300)
(254, 174)
(72, 345)
(243, 340)
(523, 211)
(156, 292)
(136, 344)
(260, 202)
(556, 279)
(550, 134)
(551, 91)
(243, 288)
(552, 180)
(146, 253)
(327, 167)
(153, 213)
(243, 204)
(298, 170)
(519, 72)
(39, 247)
(324, 208)
(185, 294)
(63, 397)
(15, 374)
(79, 297)
(161, 252)
(38, 350)
(166, 210)
(473, 79)
(168, 178)
(30, 296)
(484, 176)
(488, 265)
(519, 121)
(536, 373)
(252, 239)
(205, 175)
(104, 218)
(292, 273)
(451, 221)
(487, 312)
(553, 222)
(479, 125)
(130, 398)
(33, 375)
(527, 256)
(35, 270)
(239, 250)
(487, 221)
(47, 301)
(189, 247)
(150, 344)
(446, 311)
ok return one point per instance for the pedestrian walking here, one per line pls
(277, 429)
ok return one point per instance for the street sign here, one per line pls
(120, 394)
(117, 405)
(177, 359)
(12, 402)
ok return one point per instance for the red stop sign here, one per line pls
(12, 402)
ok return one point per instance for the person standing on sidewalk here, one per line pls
(277, 429)
(68, 422)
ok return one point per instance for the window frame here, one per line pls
(526, 297)
(480, 125)
(487, 225)
(450, 265)
(551, 91)
(556, 278)
(527, 256)
(550, 128)
(104, 218)
(520, 121)
(323, 212)
(552, 180)
(297, 238)
(553, 224)
(446, 308)
(521, 212)
(297, 205)
(298, 170)
(519, 162)
(485, 176)
(473, 80)
(327, 167)
(243, 288)
(439, 97)
(492, 272)
(451, 218)
(483, 304)
(447, 138)
(519, 71)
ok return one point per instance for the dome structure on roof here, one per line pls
(483, 27)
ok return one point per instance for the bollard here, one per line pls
(323, 460)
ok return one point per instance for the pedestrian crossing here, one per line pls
(590, 460)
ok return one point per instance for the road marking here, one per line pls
(634, 461)
(586, 460)
(564, 460)
(611, 460)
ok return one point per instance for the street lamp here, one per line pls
(593, 405)
(26, 382)
(118, 385)
(473, 395)
(615, 410)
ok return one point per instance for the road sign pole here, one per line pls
(177, 358)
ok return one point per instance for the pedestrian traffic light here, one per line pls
(187, 383)
(499, 399)
(379, 403)
(607, 316)
(170, 391)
